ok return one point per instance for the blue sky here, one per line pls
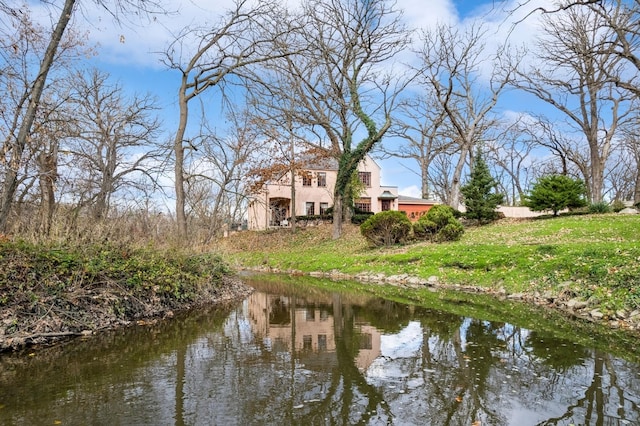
(130, 54)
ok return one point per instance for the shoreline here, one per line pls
(564, 302)
(84, 312)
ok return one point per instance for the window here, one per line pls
(322, 342)
(310, 208)
(306, 179)
(366, 341)
(324, 316)
(322, 179)
(365, 178)
(311, 314)
(323, 208)
(307, 342)
(363, 204)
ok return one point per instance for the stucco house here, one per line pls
(314, 194)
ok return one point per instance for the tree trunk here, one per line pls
(47, 163)
(293, 200)
(597, 175)
(11, 175)
(636, 190)
(337, 215)
(178, 148)
(454, 197)
(424, 177)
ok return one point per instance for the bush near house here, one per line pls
(601, 207)
(360, 218)
(438, 225)
(357, 218)
(313, 218)
(386, 228)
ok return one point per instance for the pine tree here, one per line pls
(555, 193)
(479, 199)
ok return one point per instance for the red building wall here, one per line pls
(414, 211)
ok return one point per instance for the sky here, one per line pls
(131, 53)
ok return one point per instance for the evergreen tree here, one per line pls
(479, 199)
(555, 193)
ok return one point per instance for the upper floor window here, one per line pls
(306, 179)
(365, 178)
(322, 179)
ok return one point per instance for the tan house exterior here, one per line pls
(308, 332)
(314, 194)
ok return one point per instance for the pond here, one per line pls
(307, 356)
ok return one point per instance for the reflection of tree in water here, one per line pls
(555, 353)
(466, 370)
(386, 315)
(348, 398)
(280, 314)
(439, 324)
(215, 369)
(605, 398)
(458, 358)
(475, 370)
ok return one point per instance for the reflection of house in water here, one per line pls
(308, 330)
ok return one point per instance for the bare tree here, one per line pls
(622, 17)
(555, 7)
(216, 185)
(451, 67)
(336, 87)
(627, 167)
(620, 180)
(441, 171)
(23, 43)
(511, 153)
(49, 134)
(112, 139)
(421, 127)
(571, 75)
(245, 35)
(26, 113)
(282, 152)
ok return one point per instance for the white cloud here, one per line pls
(138, 44)
(410, 191)
(141, 43)
(418, 15)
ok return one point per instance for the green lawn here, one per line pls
(595, 257)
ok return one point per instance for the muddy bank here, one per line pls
(33, 317)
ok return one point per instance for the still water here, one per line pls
(290, 355)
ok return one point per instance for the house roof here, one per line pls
(320, 163)
(405, 199)
(315, 162)
(386, 195)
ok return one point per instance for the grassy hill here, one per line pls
(593, 258)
